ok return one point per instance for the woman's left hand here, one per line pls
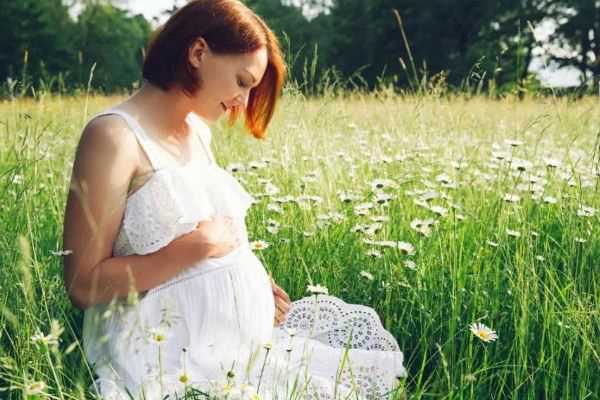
(282, 303)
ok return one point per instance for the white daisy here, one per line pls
(483, 332)
(259, 245)
(406, 248)
(374, 253)
(366, 275)
(513, 233)
(317, 289)
(439, 210)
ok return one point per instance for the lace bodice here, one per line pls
(177, 197)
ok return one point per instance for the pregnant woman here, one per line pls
(174, 297)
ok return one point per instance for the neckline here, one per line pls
(170, 168)
(137, 127)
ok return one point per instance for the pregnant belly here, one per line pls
(216, 305)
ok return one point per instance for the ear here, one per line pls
(197, 52)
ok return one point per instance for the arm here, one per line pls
(105, 162)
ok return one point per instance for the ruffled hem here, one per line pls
(300, 353)
(184, 199)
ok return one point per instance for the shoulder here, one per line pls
(107, 140)
(108, 130)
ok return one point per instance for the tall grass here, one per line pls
(539, 290)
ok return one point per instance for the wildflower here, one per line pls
(483, 332)
(17, 179)
(35, 388)
(256, 165)
(366, 275)
(374, 253)
(235, 167)
(52, 338)
(443, 178)
(513, 142)
(291, 331)
(317, 289)
(380, 218)
(158, 334)
(425, 196)
(348, 197)
(382, 198)
(259, 245)
(552, 162)
(511, 198)
(383, 184)
(549, 200)
(183, 378)
(422, 226)
(521, 165)
(499, 155)
(275, 208)
(271, 189)
(491, 243)
(512, 233)
(363, 208)
(406, 248)
(268, 346)
(439, 210)
(410, 264)
(585, 211)
(373, 228)
(358, 228)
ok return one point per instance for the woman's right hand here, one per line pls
(219, 234)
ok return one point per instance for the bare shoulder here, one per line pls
(109, 132)
(106, 152)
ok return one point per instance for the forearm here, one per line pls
(116, 277)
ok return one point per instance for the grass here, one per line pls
(539, 291)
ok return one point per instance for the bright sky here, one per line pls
(152, 8)
(548, 75)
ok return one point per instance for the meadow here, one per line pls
(437, 211)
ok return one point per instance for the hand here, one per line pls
(220, 234)
(282, 303)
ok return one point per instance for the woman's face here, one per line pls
(226, 80)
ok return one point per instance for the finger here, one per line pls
(283, 307)
(285, 304)
(280, 292)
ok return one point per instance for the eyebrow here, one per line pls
(252, 76)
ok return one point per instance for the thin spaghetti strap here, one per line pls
(202, 127)
(143, 139)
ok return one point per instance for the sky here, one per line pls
(547, 74)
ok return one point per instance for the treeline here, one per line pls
(469, 45)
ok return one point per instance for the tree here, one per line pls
(113, 40)
(579, 29)
(41, 29)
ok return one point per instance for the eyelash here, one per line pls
(241, 84)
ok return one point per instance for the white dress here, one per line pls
(218, 315)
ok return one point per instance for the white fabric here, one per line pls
(221, 310)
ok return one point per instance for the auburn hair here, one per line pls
(229, 27)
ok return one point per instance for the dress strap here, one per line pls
(204, 135)
(149, 147)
